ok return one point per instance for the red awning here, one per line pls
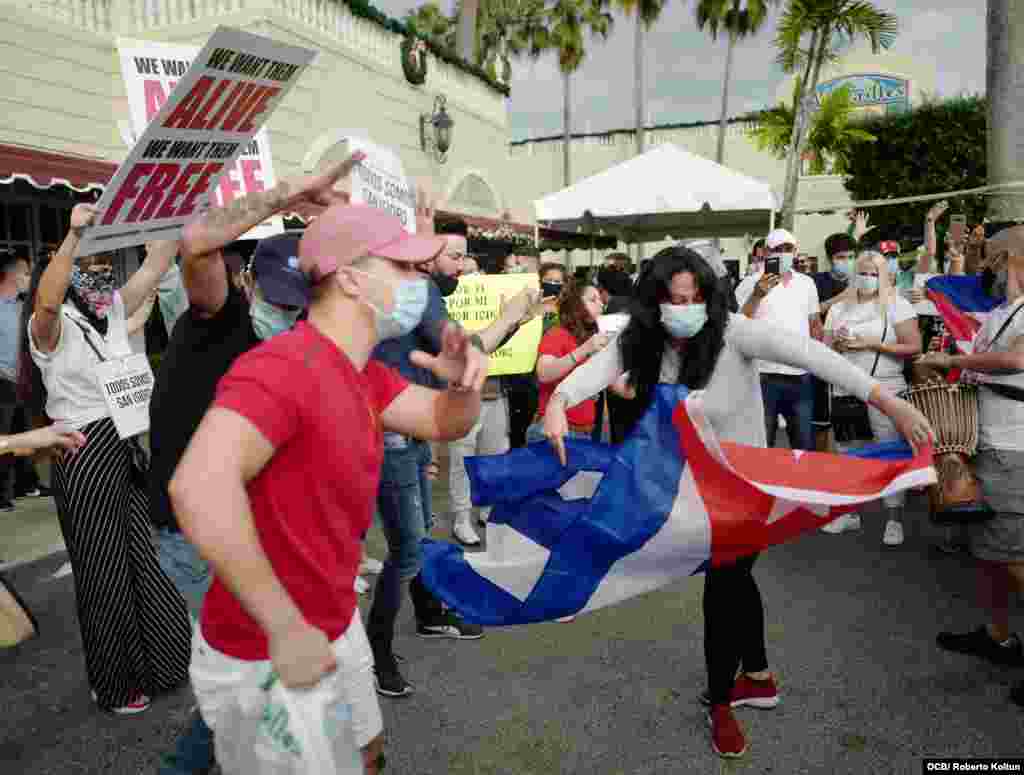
(43, 169)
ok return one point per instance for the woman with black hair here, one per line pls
(135, 627)
(681, 332)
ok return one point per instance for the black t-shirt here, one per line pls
(199, 353)
(828, 286)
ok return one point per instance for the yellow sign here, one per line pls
(478, 302)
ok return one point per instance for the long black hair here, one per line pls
(31, 391)
(644, 340)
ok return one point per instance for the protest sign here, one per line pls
(215, 110)
(151, 71)
(380, 181)
(127, 386)
(478, 302)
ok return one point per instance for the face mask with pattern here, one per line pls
(95, 289)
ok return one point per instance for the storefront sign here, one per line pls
(478, 302)
(210, 118)
(380, 181)
(150, 71)
(872, 93)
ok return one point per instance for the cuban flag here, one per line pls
(963, 305)
(669, 502)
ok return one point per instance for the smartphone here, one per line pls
(771, 265)
(957, 226)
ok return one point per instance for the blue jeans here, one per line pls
(793, 398)
(193, 752)
(404, 508)
(189, 572)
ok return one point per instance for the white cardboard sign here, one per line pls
(215, 110)
(380, 181)
(150, 71)
(127, 386)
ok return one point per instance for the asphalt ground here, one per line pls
(851, 630)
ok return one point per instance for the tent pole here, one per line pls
(771, 221)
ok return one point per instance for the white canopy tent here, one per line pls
(665, 193)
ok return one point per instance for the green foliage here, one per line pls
(430, 23)
(834, 137)
(841, 21)
(365, 10)
(567, 23)
(939, 146)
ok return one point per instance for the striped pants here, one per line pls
(135, 627)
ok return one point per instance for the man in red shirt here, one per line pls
(278, 484)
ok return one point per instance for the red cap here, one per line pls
(889, 246)
(346, 233)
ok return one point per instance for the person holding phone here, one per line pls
(789, 300)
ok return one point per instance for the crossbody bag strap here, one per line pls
(88, 339)
(885, 330)
(1002, 328)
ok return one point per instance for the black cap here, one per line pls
(275, 267)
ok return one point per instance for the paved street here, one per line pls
(851, 628)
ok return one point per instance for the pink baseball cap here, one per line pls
(345, 233)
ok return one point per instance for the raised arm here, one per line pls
(203, 270)
(159, 257)
(53, 285)
(931, 245)
(208, 493)
(552, 369)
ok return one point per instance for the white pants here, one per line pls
(219, 680)
(490, 436)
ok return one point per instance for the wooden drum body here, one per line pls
(952, 409)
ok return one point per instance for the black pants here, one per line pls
(733, 626)
(523, 397)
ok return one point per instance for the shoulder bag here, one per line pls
(849, 414)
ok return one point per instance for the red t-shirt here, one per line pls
(313, 501)
(558, 342)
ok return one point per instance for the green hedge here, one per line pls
(939, 146)
(365, 10)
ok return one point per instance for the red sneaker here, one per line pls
(726, 736)
(755, 694)
(747, 691)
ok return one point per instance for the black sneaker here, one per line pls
(388, 679)
(449, 625)
(979, 643)
(6, 505)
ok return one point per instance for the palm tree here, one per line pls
(507, 29)
(832, 136)
(831, 24)
(467, 29)
(567, 21)
(647, 12)
(740, 19)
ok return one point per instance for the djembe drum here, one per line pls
(952, 409)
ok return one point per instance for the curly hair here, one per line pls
(572, 315)
(644, 340)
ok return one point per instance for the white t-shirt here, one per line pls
(865, 320)
(1000, 420)
(789, 305)
(72, 391)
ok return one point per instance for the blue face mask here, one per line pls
(842, 267)
(894, 266)
(269, 320)
(411, 298)
(867, 282)
(683, 321)
(785, 261)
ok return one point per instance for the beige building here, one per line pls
(62, 101)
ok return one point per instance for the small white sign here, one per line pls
(127, 387)
(925, 307)
(612, 324)
(380, 181)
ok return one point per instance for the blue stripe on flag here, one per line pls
(586, 538)
(885, 450)
(965, 292)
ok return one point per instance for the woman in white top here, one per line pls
(681, 332)
(135, 626)
(875, 329)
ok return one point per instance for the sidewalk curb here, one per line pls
(43, 554)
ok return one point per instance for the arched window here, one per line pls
(474, 195)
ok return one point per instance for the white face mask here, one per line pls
(411, 298)
(683, 321)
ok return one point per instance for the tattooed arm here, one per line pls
(203, 271)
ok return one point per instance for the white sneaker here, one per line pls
(893, 533)
(843, 524)
(361, 585)
(465, 534)
(370, 567)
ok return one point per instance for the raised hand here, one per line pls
(82, 216)
(319, 189)
(937, 210)
(462, 364)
